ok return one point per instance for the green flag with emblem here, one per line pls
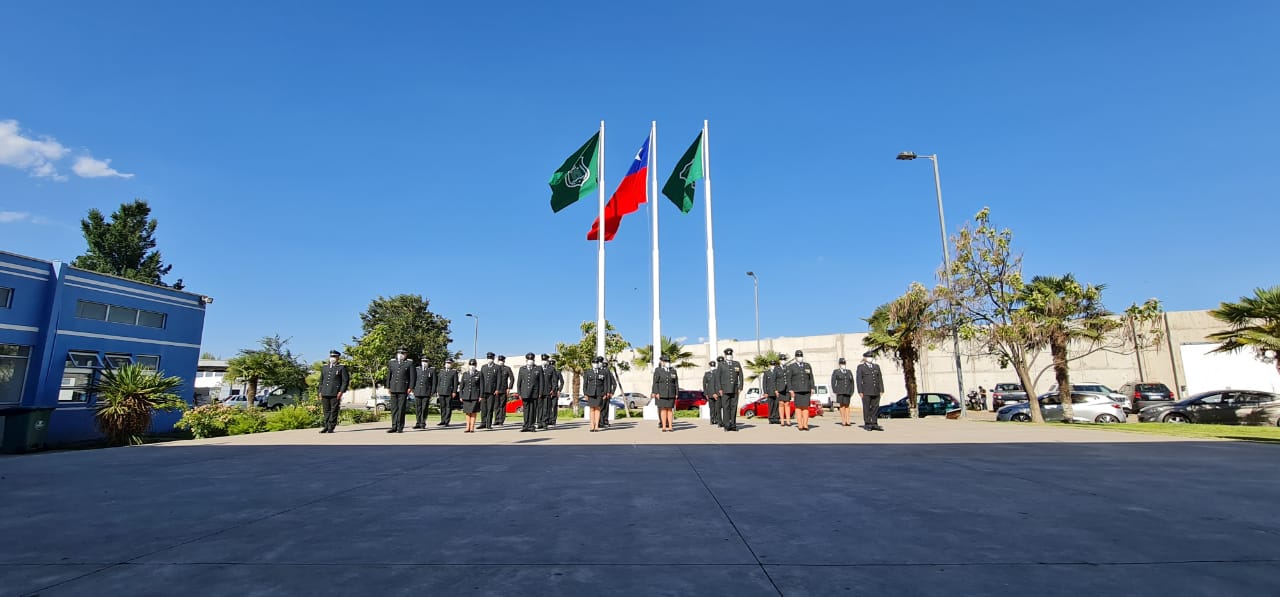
(679, 188)
(577, 177)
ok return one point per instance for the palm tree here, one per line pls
(1062, 311)
(674, 351)
(757, 365)
(577, 357)
(902, 327)
(1255, 323)
(127, 398)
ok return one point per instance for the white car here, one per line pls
(564, 400)
(823, 397)
(238, 401)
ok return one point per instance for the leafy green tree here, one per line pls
(273, 365)
(367, 357)
(577, 357)
(1254, 323)
(1064, 312)
(986, 284)
(903, 328)
(407, 321)
(124, 246)
(128, 396)
(674, 351)
(208, 356)
(757, 365)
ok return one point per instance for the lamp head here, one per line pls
(907, 155)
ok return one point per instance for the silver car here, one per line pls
(1088, 408)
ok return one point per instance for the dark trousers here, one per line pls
(530, 409)
(330, 406)
(543, 415)
(870, 406)
(552, 408)
(398, 400)
(729, 410)
(500, 409)
(713, 405)
(420, 406)
(486, 410)
(604, 411)
(774, 415)
(446, 408)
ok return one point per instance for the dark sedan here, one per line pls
(1221, 407)
(927, 403)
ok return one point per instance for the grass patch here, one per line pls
(1269, 434)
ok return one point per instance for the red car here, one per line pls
(514, 403)
(760, 408)
(690, 399)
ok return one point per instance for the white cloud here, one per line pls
(9, 217)
(36, 156)
(88, 167)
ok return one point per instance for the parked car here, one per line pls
(564, 400)
(1223, 407)
(751, 395)
(1090, 387)
(616, 402)
(240, 401)
(635, 400)
(760, 408)
(1007, 393)
(1141, 394)
(515, 404)
(822, 397)
(690, 399)
(382, 403)
(927, 403)
(1087, 407)
(280, 397)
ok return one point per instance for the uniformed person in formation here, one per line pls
(529, 384)
(446, 391)
(554, 381)
(595, 385)
(613, 386)
(769, 394)
(334, 381)
(506, 380)
(469, 391)
(401, 376)
(423, 388)
(666, 384)
(870, 387)
(709, 391)
(800, 388)
(729, 384)
(780, 390)
(490, 375)
(842, 385)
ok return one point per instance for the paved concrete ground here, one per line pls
(929, 507)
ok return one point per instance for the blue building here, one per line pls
(61, 326)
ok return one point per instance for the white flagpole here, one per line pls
(600, 322)
(711, 251)
(652, 198)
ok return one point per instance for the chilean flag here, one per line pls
(630, 194)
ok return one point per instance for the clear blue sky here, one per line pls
(304, 157)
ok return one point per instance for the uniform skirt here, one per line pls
(470, 407)
(842, 399)
(802, 400)
(666, 402)
(784, 397)
(595, 401)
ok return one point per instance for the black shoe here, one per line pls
(879, 428)
(542, 426)
(442, 424)
(482, 426)
(392, 430)
(324, 431)
(525, 430)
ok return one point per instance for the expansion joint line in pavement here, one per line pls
(730, 519)
(377, 479)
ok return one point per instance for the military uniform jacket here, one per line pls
(529, 383)
(469, 387)
(770, 381)
(780, 379)
(425, 385)
(401, 376)
(729, 377)
(446, 382)
(666, 382)
(842, 382)
(551, 381)
(596, 382)
(334, 380)
(709, 384)
(506, 380)
(490, 378)
(870, 381)
(800, 377)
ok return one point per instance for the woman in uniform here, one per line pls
(666, 384)
(469, 392)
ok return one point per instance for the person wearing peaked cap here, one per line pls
(769, 390)
(506, 379)
(401, 377)
(709, 380)
(334, 381)
(842, 385)
(529, 384)
(446, 391)
(490, 377)
(469, 391)
(870, 387)
(423, 388)
(595, 386)
(666, 384)
(728, 385)
(554, 381)
(800, 387)
(541, 412)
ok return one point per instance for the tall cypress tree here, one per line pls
(124, 246)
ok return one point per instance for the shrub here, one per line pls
(297, 416)
(357, 416)
(210, 420)
(127, 397)
(247, 420)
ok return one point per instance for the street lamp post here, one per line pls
(755, 282)
(475, 340)
(946, 264)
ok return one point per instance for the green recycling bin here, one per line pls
(25, 430)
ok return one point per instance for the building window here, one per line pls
(118, 314)
(6, 297)
(13, 371)
(116, 361)
(78, 376)
(148, 361)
